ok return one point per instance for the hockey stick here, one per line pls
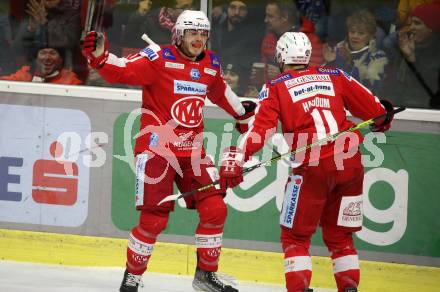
(147, 39)
(91, 4)
(295, 151)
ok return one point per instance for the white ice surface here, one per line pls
(27, 277)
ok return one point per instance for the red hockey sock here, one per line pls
(297, 260)
(344, 256)
(297, 269)
(142, 240)
(346, 269)
(209, 233)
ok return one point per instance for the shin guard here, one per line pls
(297, 260)
(142, 239)
(345, 259)
(297, 270)
(209, 233)
(346, 270)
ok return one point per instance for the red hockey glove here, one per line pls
(94, 46)
(242, 123)
(231, 170)
(384, 124)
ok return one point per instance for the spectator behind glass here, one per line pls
(418, 66)
(232, 75)
(282, 16)
(218, 13)
(6, 62)
(404, 9)
(46, 68)
(236, 39)
(133, 30)
(316, 11)
(358, 55)
(48, 23)
(160, 23)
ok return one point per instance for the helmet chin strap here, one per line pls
(281, 67)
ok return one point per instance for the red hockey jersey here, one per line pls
(173, 95)
(311, 104)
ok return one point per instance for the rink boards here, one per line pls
(179, 259)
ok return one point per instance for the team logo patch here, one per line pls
(350, 212)
(264, 93)
(281, 78)
(210, 71)
(291, 199)
(167, 54)
(174, 65)
(188, 111)
(215, 61)
(149, 53)
(328, 71)
(188, 87)
(348, 76)
(195, 74)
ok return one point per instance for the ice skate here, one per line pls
(209, 282)
(130, 283)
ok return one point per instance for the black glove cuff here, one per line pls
(389, 108)
(249, 106)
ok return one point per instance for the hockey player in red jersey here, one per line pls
(325, 186)
(175, 79)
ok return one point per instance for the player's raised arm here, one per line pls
(135, 69)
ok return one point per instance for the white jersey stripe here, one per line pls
(234, 101)
(132, 59)
(345, 263)
(113, 60)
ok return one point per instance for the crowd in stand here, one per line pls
(391, 47)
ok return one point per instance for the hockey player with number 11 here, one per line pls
(325, 186)
(175, 81)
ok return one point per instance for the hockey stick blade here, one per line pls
(169, 198)
(189, 193)
(295, 151)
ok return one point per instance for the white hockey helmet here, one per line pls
(293, 48)
(191, 19)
